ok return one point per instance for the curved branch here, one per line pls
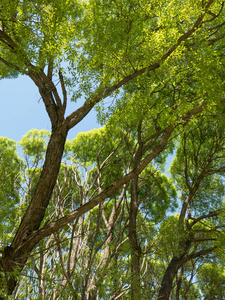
(52, 227)
(80, 113)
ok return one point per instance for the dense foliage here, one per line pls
(96, 217)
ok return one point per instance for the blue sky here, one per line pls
(21, 109)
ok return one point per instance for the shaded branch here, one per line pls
(63, 90)
(197, 254)
(212, 41)
(209, 215)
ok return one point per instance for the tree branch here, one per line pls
(197, 254)
(63, 90)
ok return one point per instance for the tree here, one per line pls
(198, 169)
(152, 56)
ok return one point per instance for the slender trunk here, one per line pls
(116, 278)
(12, 257)
(133, 238)
(135, 248)
(179, 282)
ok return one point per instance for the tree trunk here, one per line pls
(12, 257)
(135, 248)
(167, 282)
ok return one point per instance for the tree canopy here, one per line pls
(98, 211)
